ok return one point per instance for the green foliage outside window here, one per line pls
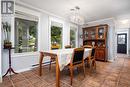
(72, 38)
(25, 35)
(56, 37)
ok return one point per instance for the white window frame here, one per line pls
(76, 33)
(28, 31)
(30, 12)
(52, 19)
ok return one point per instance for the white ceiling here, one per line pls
(91, 9)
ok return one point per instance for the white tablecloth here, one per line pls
(65, 55)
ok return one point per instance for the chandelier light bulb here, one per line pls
(75, 16)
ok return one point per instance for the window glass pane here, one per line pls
(25, 35)
(73, 37)
(56, 36)
(121, 39)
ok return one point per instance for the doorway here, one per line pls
(122, 43)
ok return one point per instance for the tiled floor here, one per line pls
(108, 74)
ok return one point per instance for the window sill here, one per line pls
(24, 54)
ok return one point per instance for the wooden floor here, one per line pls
(115, 74)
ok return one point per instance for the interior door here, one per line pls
(122, 43)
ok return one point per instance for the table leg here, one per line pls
(40, 63)
(57, 73)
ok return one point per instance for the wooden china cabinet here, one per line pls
(96, 36)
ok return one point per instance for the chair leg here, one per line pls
(50, 65)
(88, 62)
(40, 64)
(77, 69)
(84, 69)
(90, 68)
(71, 75)
(94, 65)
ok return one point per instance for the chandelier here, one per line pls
(75, 16)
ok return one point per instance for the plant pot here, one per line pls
(7, 45)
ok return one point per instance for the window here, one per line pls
(121, 39)
(73, 36)
(25, 35)
(56, 35)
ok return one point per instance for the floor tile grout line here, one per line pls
(9, 77)
(41, 79)
(66, 83)
(38, 77)
(22, 76)
(100, 84)
(103, 82)
(120, 73)
(12, 83)
(120, 65)
(27, 80)
(44, 80)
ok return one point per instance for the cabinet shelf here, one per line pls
(94, 39)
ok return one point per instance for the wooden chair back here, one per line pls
(93, 52)
(87, 46)
(78, 55)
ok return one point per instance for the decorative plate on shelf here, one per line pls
(101, 31)
(99, 44)
(93, 36)
(101, 36)
(93, 43)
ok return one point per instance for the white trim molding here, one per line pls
(0, 79)
(0, 51)
(75, 28)
(120, 31)
(53, 19)
(18, 2)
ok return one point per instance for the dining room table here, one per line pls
(62, 57)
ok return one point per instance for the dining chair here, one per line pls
(91, 61)
(42, 56)
(87, 59)
(87, 46)
(76, 61)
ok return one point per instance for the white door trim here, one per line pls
(127, 32)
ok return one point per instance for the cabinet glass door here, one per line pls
(101, 32)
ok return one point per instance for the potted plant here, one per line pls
(7, 30)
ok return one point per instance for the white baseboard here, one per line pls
(26, 69)
(23, 70)
(110, 60)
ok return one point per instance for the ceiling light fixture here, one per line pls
(75, 16)
(124, 21)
